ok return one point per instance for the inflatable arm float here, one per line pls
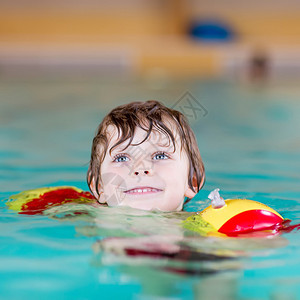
(233, 217)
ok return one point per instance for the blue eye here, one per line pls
(121, 158)
(160, 156)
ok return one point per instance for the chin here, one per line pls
(142, 206)
(168, 209)
(157, 205)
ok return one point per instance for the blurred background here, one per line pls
(158, 38)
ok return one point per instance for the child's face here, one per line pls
(149, 176)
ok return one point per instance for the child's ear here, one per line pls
(93, 189)
(189, 193)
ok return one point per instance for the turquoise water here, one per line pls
(249, 139)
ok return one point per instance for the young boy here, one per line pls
(145, 156)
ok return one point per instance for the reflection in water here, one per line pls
(155, 239)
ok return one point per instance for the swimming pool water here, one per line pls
(249, 141)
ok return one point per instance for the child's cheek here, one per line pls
(168, 169)
(124, 170)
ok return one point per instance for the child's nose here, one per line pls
(143, 172)
(142, 168)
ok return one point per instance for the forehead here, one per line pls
(156, 137)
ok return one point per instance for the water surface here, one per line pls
(249, 141)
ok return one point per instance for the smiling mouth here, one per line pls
(142, 191)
